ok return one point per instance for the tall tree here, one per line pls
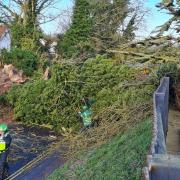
(108, 16)
(24, 18)
(95, 26)
(78, 35)
(24, 12)
(173, 8)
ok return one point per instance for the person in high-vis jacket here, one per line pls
(86, 112)
(5, 138)
(86, 116)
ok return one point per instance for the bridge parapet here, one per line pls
(160, 165)
(161, 108)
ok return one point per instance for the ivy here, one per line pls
(21, 59)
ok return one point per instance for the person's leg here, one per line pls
(6, 170)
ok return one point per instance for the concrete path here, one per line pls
(173, 136)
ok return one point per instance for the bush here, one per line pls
(170, 70)
(51, 102)
(55, 101)
(21, 59)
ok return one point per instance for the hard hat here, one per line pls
(3, 127)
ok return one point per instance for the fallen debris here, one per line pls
(47, 74)
(15, 75)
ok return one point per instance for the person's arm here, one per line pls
(8, 140)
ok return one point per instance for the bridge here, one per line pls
(163, 161)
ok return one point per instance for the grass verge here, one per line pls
(121, 158)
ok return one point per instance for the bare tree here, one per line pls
(25, 12)
(135, 20)
(64, 21)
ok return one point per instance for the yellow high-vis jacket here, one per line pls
(2, 145)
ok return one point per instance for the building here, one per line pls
(5, 38)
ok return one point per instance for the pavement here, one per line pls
(173, 135)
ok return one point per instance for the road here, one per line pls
(42, 169)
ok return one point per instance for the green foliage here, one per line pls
(122, 157)
(55, 101)
(25, 37)
(94, 27)
(21, 59)
(51, 102)
(101, 72)
(169, 69)
(3, 100)
(76, 40)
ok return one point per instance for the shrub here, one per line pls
(55, 101)
(21, 59)
(51, 102)
(168, 69)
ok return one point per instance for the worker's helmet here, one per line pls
(3, 127)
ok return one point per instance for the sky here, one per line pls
(154, 19)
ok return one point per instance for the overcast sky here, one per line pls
(155, 18)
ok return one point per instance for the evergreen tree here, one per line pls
(95, 27)
(76, 41)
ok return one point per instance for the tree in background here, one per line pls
(107, 18)
(77, 38)
(24, 18)
(116, 21)
(173, 8)
(25, 12)
(95, 27)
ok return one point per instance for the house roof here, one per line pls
(3, 29)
